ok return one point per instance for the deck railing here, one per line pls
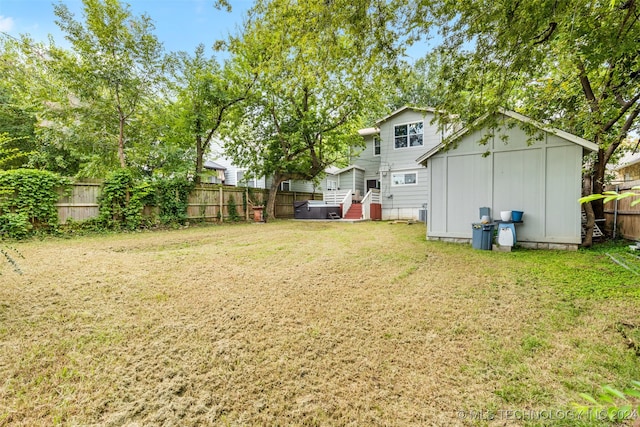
(372, 196)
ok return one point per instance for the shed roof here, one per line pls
(517, 116)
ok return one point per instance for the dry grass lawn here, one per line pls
(302, 323)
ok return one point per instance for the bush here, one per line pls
(15, 225)
(32, 194)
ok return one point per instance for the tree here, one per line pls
(317, 66)
(572, 64)
(115, 67)
(206, 93)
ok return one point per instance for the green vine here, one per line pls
(28, 200)
(172, 198)
(233, 210)
(122, 200)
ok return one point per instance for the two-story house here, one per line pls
(388, 162)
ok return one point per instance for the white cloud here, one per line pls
(6, 23)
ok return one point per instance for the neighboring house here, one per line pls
(628, 168)
(388, 162)
(511, 172)
(222, 170)
(213, 173)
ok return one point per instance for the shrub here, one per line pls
(32, 194)
(15, 225)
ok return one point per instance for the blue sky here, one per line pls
(180, 24)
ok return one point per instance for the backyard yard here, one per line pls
(306, 323)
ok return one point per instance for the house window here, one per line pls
(404, 178)
(409, 135)
(285, 186)
(242, 181)
(376, 146)
(332, 185)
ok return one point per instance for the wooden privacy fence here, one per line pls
(621, 216)
(207, 202)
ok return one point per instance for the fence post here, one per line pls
(221, 205)
(246, 205)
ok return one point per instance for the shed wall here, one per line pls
(508, 173)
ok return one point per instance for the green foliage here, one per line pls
(611, 404)
(30, 194)
(10, 154)
(609, 196)
(124, 196)
(111, 75)
(233, 210)
(15, 225)
(122, 200)
(171, 197)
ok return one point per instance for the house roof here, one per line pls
(368, 131)
(629, 159)
(332, 170)
(338, 172)
(405, 108)
(376, 130)
(208, 164)
(517, 116)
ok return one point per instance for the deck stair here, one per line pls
(354, 212)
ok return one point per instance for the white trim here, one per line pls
(368, 131)
(285, 182)
(408, 135)
(414, 172)
(400, 110)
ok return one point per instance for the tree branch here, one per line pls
(623, 110)
(586, 88)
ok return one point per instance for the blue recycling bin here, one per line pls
(482, 237)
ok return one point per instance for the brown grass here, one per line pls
(292, 323)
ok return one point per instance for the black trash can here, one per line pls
(482, 237)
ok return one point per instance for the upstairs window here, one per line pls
(285, 186)
(376, 146)
(409, 135)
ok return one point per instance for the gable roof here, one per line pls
(405, 108)
(517, 116)
(348, 168)
(376, 130)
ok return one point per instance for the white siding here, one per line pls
(403, 202)
(542, 179)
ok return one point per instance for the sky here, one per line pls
(180, 24)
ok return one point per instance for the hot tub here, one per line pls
(314, 209)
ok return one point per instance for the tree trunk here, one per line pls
(588, 209)
(273, 191)
(199, 159)
(597, 185)
(123, 163)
